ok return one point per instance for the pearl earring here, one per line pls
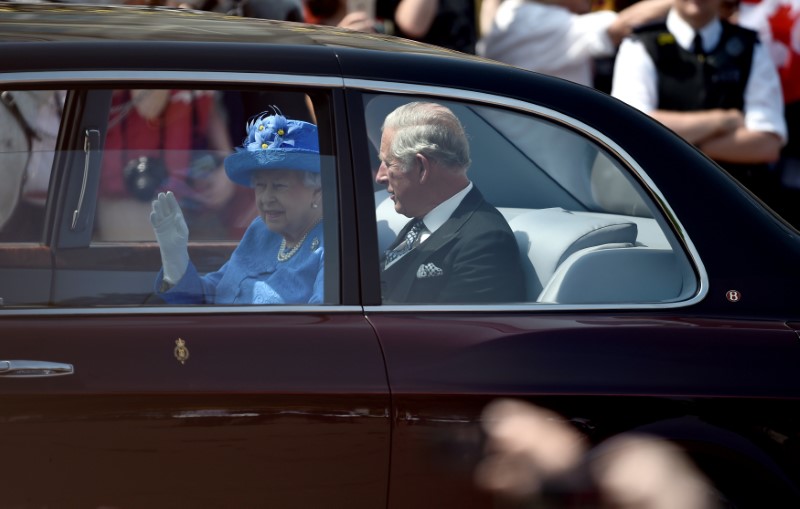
(314, 205)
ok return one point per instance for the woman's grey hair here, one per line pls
(429, 129)
(312, 180)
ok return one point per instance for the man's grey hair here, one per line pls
(429, 129)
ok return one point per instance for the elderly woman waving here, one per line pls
(280, 259)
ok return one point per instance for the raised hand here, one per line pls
(172, 235)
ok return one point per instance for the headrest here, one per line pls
(548, 236)
(614, 275)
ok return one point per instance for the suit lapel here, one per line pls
(463, 212)
(402, 274)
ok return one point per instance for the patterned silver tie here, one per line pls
(409, 243)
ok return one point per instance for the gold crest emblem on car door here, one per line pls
(181, 352)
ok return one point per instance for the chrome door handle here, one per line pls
(91, 144)
(33, 369)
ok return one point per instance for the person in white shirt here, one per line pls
(778, 25)
(716, 96)
(562, 37)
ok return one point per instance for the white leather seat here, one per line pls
(547, 237)
(618, 275)
(389, 222)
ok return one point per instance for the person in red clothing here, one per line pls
(776, 22)
(159, 139)
(358, 16)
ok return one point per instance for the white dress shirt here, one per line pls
(441, 213)
(549, 39)
(635, 78)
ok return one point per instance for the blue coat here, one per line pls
(253, 275)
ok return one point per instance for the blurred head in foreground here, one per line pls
(533, 453)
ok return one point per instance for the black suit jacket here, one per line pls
(472, 258)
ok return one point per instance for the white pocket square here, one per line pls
(429, 270)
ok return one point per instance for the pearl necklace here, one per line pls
(284, 255)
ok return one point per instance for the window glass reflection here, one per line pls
(29, 126)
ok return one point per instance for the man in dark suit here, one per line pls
(457, 248)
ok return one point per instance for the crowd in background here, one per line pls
(740, 108)
(746, 117)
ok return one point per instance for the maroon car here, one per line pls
(661, 296)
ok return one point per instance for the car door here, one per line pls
(114, 398)
(611, 335)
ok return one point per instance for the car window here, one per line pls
(584, 230)
(196, 152)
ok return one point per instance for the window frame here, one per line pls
(62, 197)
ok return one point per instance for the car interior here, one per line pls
(586, 232)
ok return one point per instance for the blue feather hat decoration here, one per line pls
(274, 143)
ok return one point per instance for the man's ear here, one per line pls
(424, 167)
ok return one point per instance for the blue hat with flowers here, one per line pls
(274, 143)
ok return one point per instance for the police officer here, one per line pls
(712, 83)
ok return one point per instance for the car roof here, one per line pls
(64, 37)
(56, 22)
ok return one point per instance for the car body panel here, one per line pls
(267, 404)
(605, 374)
